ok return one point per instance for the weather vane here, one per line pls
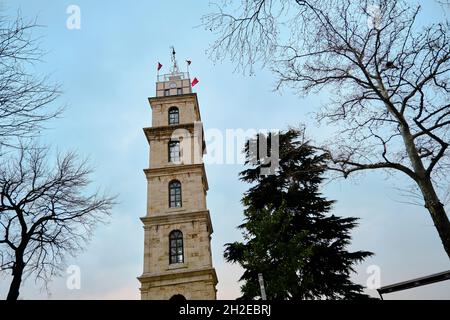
(174, 61)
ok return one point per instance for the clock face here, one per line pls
(172, 85)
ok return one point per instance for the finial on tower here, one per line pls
(174, 61)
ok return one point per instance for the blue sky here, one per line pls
(107, 71)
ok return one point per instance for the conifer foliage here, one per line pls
(289, 235)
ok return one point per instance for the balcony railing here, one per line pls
(173, 76)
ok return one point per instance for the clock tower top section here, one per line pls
(173, 83)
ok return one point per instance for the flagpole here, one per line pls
(158, 67)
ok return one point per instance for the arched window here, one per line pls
(178, 297)
(176, 247)
(174, 115)
(175, 194)
(174, 151)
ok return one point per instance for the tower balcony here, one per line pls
(173, 76)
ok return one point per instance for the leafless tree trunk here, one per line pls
(45, 214)
(25, 100)
(387, 75)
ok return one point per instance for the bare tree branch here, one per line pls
(26, 101)
(388, 79)
(45, 214)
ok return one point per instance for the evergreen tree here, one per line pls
(289, 235)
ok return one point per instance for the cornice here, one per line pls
(174, 98)
(177, 169)
(182, 275)
(153, 133)
(170, 218)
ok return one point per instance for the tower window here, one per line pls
(174, 115)
(174, 151)
(167, 92)
(175, 194)
(176, 247)
(179, 90)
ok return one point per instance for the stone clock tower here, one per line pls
(177, 249)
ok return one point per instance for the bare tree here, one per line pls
(45, 214)
(25, 99)
(443, 2)
(385, 71)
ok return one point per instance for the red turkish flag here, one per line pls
(159, 66)
(194, 81)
